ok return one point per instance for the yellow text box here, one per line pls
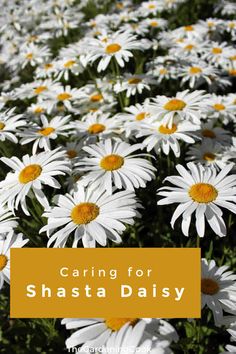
(105, 282)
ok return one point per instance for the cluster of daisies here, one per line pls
(92, 109)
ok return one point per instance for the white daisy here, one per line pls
(33, 55)
(66, 66)
(64, 96)
(217, 134)
(133, 84)
(9, 124)
(114, 164)
(132, 339)
(97, 125)
(220, 107)
(165, 138)
(209, 154)
(132, 116)
(185, 105)
(197, 73)
(117, 46)
(48, 130)
(29, 175)
(218, 287)
(95, 332)
(201, 191)
(92, 216)
(10, 240)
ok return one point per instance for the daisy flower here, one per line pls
(209, 154)
(74, 149)
(68, 65)
(10, 240)
(97, 125)
(220, 107)
(218, 287)
(65, 96)
(166, 138)
(9, 124)
(117, 46)
(128, 339)
(217, 53)
(132, 339)
(197, 73)
(33, 55)
(217, 134)
(95, 332)
(41, 135)
(185, 105)
(201, 191)
(29, 175)
(46, 70)
(93, 216)
(7, 221)
(132, 116)
(133, 84)
(150, 7)
(162, 71)
(155, 23)
(114, 164)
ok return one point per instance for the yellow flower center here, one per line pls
(232, 25)
(154, 23)
(188, 28)
(38, 110)
(189, 47)
(210, 24)
(207, 133)
(48, 66)
(40, 89)
(63, 96)
(3, 261)
(115, 324)
(119, 5)
(232, 72)
(96, 97)
(112, 162)
(216, 50)
(46, 131)
(163, 71)
(195, 70)
(69, 64)
(232, 57)
(84, 213)
(32, 38)
(151, 6)
(96, 128)
(208, 156)
(113, 48)
(30, 173)
(165, 130)
(140, 116)
(71, 153)
(175, 105)
(2, 125)
(203, 193)
(134, 81)
(29, 56)
(209, 286)
(219, 106)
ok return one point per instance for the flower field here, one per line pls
(117, 129)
